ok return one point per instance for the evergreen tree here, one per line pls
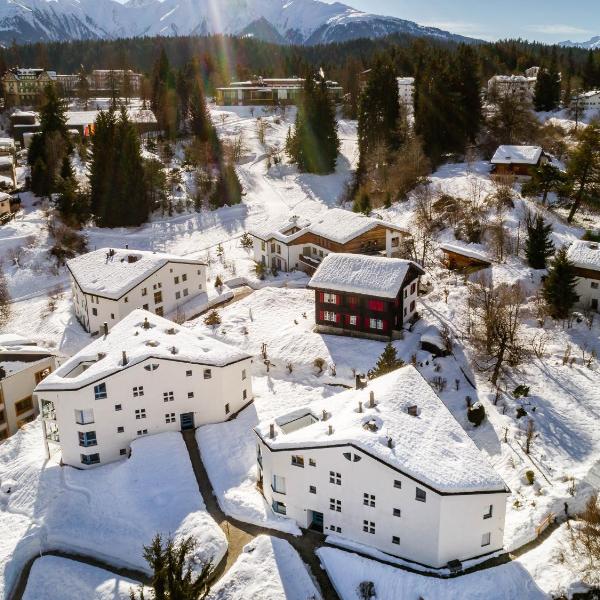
(539, 246)
(362, 203)
(83, 88)
(66, 170)
(547, 87)
(228, 189)
(101, 165)
(378, 113)
(583, 169)
(559, 286)
(468, 86)
(386, 363)
(314, 144)
(200, 122)
(591, 72)
(173, 576)
(544, 179)
(73, 204)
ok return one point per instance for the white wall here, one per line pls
(432, 532)
(586, 292)
(112, 311)
(210, 396)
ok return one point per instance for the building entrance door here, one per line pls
(315, 521)
(186, 420)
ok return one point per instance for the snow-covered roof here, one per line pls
(80, 118)
(13, 339)
(335, 224)
(466, 251)
(18, 354)
(590, 94)
(513, 79)
(585, 255)
(6, 141)
(523, 155)
(360, 274)
(141, 335)
(405, 80)
(431, 447)
(113, 275)
(6, 161)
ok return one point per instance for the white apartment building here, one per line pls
(588, 100)
(406, 91)
(22, 366)
(108, 284)
(387, 466)
(298, 243)
(146, 376)
(517, 85)
(586, 258)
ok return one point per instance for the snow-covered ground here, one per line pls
(54, 578)
(109, 512)
(268, 568)
(540, 574)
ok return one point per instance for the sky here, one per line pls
(543, 20)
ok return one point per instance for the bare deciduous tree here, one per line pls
(585, 542)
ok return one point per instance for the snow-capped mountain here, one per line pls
(281, 21)
(592, 44)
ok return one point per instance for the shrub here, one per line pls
(366, 590)
(213, 319)
(521, 412)
(246, 241)
(218, 282)
(319, 363)
(68, 243)
(476, 414)
(521, 391)
(260, 270)
(530, 476)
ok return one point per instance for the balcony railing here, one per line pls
(53, 436)
(310, 261)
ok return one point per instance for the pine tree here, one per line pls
(559, 286)
(583, 169)
(387, 362)
(83, 88)
(468, 86)
(66, 170)
(539, 246)
(228, 189)
(362, 203)
(200, 122)
(173, 575)
(544, 179)
(314, 144)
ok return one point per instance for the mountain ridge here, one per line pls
(280, 21)
(591, 44)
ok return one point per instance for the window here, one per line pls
(168, 397)
(486, 539)
(145, 306)
(376, 324)
(90, 459)
(190, 394)
(87, 438)
(185, 292)
(279, 507)
(336, 529)
(421, 495)
(396, 540)
(369, 527)
(184, 277)
(138, 391)
(40, 375)
(298, 461)
(176, 280)
(335, 505)
(157, 297)
(151, 367)
(594, 285)
(244, 394)
(312, 462)
(100, 391)
(126, 299)
(22, 406)
(329, 316)
(123, 451)
(488, 514)
(118, 407)
(243, 374)
(352, 320)
(278, 484)
(227, 409)
(95, 312)
(405, 293)
(157, 286)
(142, 432)
(413, 287)
(335, 478)
(120, 429)
(188, 373)
(177, 295)
(144, 291)
(84, 417)
(140, 413)
(169, 417)
(330, 298)
(207, 374)
(312, 489)
(112, 316)
(369, 500)
(412, 306)
(159, 311)
(262, 247)
(352, 300)
(376, 305)
(397, 512)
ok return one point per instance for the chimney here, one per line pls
(105, 328)
(390, 442)
(101, 355)
(124, 358)
(272, 430)
(359, 406)
(146, 323)
(357, 382)
(324, 415)
(330, 430)
(371, 399)
(126, 246)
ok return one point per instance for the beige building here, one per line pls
(22, 366)
(24, 87)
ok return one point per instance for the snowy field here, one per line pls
(108, 512)
(49, 575)
(268, 568)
